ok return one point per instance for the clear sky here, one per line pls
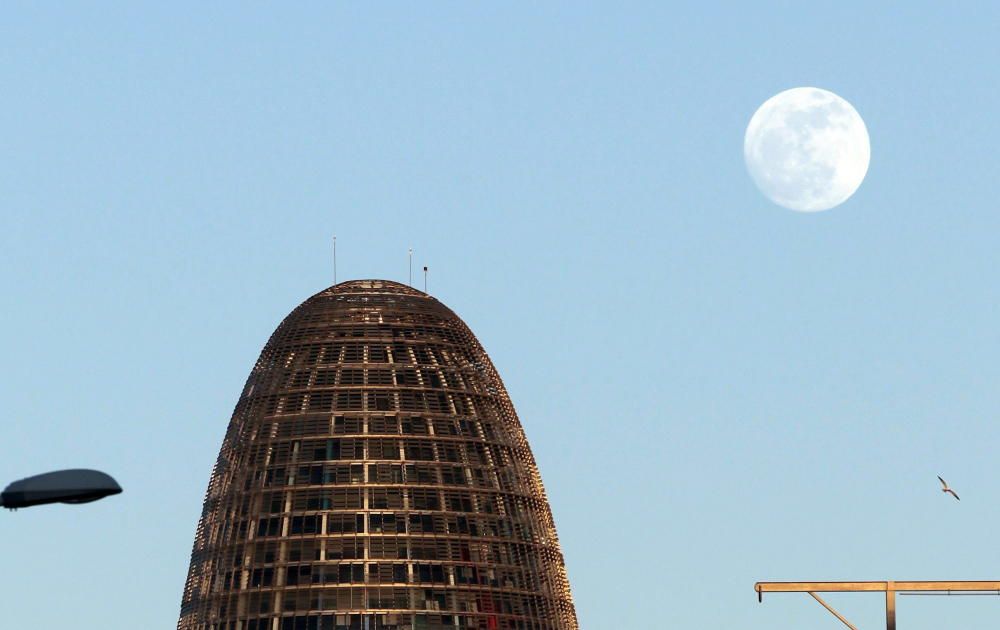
(718, 390)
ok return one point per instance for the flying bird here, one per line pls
(945, 488)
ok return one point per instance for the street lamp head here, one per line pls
(61, 486)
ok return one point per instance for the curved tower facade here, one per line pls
(375, 476)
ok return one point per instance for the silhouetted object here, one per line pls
(62, 486)
(375, 475)
(945, 488)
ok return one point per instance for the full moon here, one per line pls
(807, 149)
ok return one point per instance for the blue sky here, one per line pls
(718, 390)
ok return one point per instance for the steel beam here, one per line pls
(889, 587)
(878, 587)
(832, 611)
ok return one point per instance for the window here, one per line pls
(377, 354)
(345, 523)
(351, 573)
(304, 525)
(262, 577)
(386, 523)
(301, 574)
(269, 526)
(399, 573)
(326, 378)
(352, 377)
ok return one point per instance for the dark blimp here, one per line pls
(61, 486)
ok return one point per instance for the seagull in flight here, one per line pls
(945, 488)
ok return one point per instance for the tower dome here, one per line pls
(375, 476)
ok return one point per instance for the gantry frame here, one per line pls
(889, 587)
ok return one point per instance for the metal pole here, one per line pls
(835, 613)
(425, 279)
(335, 259)
(890, 606)
(411, 266)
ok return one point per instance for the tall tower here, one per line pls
(375, 476)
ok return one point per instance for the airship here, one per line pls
(78, 485)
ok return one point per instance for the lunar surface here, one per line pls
(807, 149)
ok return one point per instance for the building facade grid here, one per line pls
(375, 476)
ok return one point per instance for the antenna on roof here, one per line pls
(411, 266)
(335, 259)
(425, 278)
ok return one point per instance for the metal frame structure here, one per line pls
(375, 476)
(889, 587)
